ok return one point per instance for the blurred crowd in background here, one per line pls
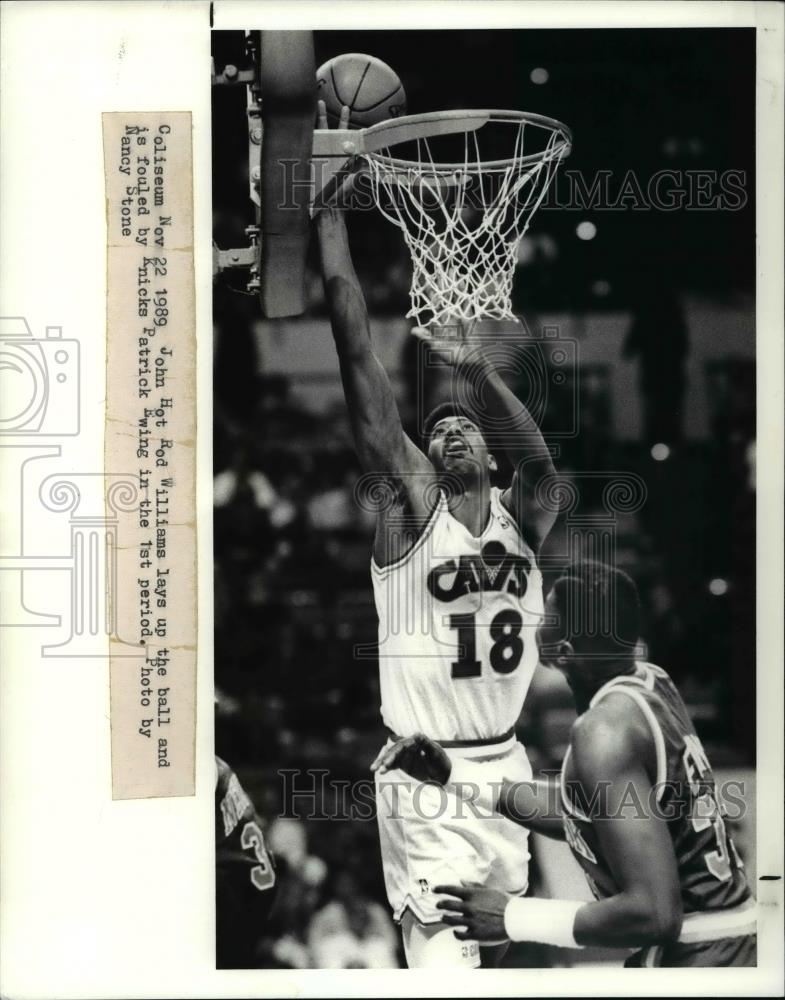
(295, 626)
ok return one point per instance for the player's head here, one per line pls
(592, 619)
(453, 441)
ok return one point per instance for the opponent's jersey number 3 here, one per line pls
(707, 812)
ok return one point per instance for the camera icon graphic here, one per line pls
(39, 381)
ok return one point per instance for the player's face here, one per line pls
(456, 445)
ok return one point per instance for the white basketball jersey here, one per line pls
(457, 622)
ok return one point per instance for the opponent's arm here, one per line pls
(533, 804)
(609, 753)
(504, 414)
(634, 839)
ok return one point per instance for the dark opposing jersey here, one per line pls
(244, 872)
(710, 870)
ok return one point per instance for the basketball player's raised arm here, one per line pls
(526, 450)
(381, 444)
(510, 422)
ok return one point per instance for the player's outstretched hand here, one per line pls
(321, 116)
(419, 756)
(330, 214)
(452, 343)
(476, 910)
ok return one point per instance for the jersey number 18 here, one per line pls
(506, 649)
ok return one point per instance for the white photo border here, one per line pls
(116, 899)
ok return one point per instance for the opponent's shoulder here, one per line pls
(231, 799)
(222, 774)
(610, 736)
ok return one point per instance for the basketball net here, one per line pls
(463, 221)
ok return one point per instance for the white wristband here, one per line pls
(548, 921)
(471, 781)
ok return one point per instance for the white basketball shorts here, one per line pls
(429, 837)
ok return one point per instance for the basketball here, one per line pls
(367, 86)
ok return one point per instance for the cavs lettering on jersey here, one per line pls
(711, 873)
(457, 621)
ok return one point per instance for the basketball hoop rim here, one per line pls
(560, 149)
